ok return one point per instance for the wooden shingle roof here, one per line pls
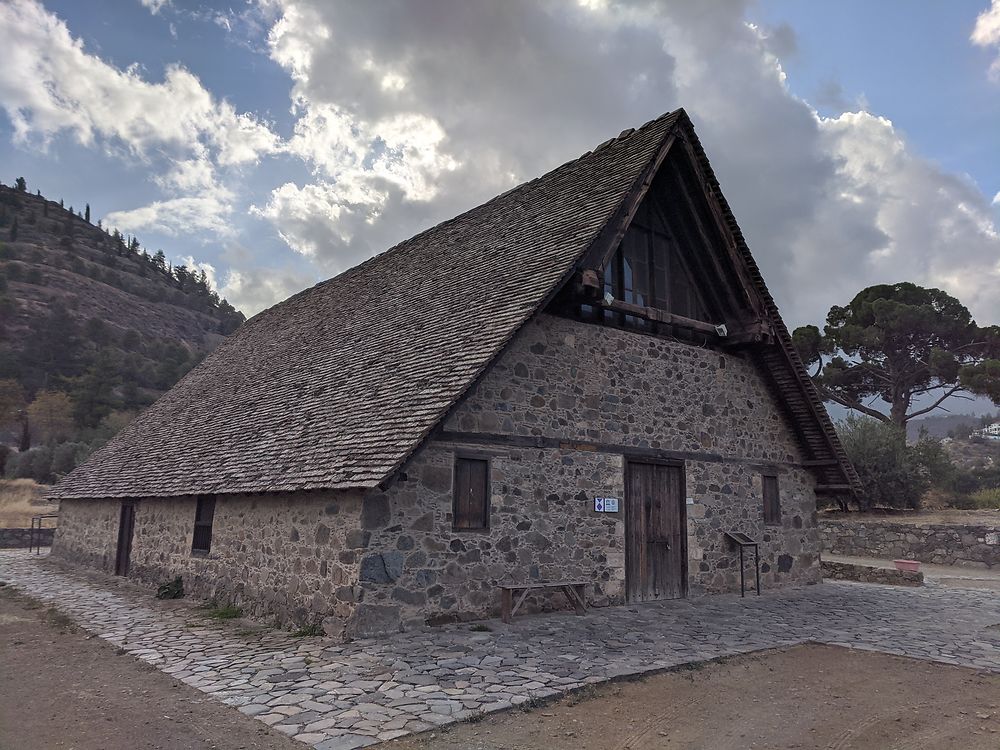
(337, 386)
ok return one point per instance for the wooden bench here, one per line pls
(574, 591)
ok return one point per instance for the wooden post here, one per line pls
(506, 604)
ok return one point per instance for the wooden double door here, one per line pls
(655, 531)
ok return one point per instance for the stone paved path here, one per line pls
(339, 696)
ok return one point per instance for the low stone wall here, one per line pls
(839, 571)
(15, 538)
(974, 546)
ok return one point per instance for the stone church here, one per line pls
(583, 379)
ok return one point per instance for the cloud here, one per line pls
(255, 289)
(406, 114)
(50, 85)
(207, 214)
(154, 6)
(433, 109)
(986, 33)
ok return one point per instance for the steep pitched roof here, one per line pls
(335, 387)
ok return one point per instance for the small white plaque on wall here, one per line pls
(611, 505)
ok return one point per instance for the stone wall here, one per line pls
(88, 533)
(585, 384)
(16, 538)
(839, 571)
(391, 559)
(976, 546)
(291, 556)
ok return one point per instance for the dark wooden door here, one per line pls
(655, 532)
(126, 525)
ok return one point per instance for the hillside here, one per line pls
(92, 330)
(947, 425)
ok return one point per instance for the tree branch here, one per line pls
(852, 404)
(936, 404)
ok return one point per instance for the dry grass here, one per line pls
(20, 499)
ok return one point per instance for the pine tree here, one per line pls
(94, 392)
(20, 185)
(86, 214)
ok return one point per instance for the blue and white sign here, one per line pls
(605, 504)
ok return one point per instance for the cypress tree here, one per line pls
(86, 214)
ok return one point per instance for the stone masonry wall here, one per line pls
(14, 538)
(88, 533)
(838, 571)
(391, 559)
(291, 556)
(576, 382)
(976, 546)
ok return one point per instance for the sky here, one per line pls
(275, 143)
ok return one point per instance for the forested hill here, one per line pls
(92, 329)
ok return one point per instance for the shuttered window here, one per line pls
(204, 514)
(472, 483)
(772, 501)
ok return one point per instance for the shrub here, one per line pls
(987, 498)
(67, 456)
(33, 464)
(890, 471)
(171, 589)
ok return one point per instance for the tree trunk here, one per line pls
(25, 442)
(897, 413)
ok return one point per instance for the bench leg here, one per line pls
(575, 596)
(506, 604)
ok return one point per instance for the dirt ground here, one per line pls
(62, 689)
(20, 499)
(804, 697)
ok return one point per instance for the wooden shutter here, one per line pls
(471, 502)
(204, 515)
(772, 501)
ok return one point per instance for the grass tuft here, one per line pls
(308, 631)
(216, 612)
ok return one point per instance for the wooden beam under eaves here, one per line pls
(654, 314)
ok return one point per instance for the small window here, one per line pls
(203, 516)
(772, 501)
(472, 485)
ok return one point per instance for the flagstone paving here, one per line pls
(337, 696)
